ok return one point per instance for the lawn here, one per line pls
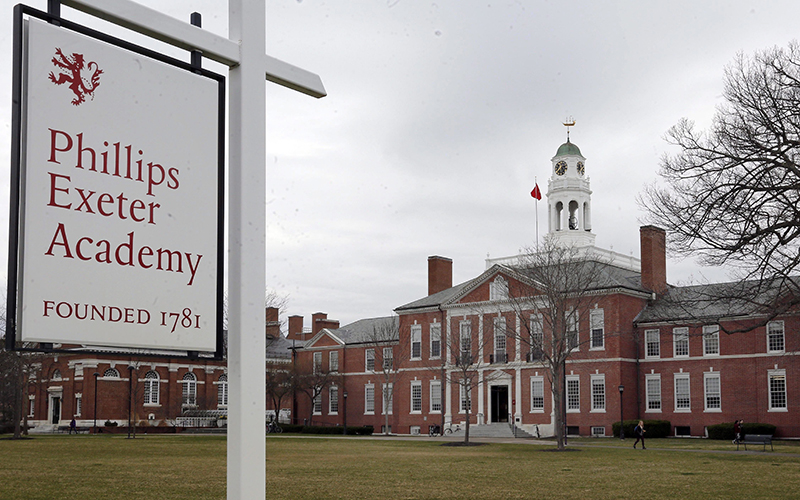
(182, 467)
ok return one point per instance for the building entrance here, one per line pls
(55, 407)
(499, 402)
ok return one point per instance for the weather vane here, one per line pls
(569, 122)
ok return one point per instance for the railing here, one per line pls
(196, 422)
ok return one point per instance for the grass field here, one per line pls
(193, 467)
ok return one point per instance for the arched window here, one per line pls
(111, 373)
(222, 391)
(151, 388)
(498, 289)
(56, 375)
(189, 389)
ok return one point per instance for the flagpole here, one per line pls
(536, 183)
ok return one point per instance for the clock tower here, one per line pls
(569, 199)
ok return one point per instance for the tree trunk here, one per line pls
(559, 403)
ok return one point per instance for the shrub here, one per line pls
(110, 423)
(654, 428)
(725, 430)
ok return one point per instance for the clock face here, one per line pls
(561, 167)
(581, 168)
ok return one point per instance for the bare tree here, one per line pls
(731, 192)
(551, 292)
(310, 378)
(389, 356)
(463, 367)
(279, 383)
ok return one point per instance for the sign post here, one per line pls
(243, 53)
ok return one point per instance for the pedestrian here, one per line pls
(73, 426)
(737, 431)
(639, 432)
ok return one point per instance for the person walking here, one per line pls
(737, 431)
(639, 432)
(73, 427)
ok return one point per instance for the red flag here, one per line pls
(536, 193)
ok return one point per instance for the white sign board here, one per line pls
(119, 197)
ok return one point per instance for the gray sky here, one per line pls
(439, 117)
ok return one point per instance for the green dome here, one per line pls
(568, 149)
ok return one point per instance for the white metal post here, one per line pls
(247, 258)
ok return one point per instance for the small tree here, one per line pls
(278, 383)
(311, 379)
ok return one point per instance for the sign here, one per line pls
(120, 195)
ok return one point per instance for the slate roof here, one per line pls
(611, 277)
(280, 348)
(361, 331)
(714, 301)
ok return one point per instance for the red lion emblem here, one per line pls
(83, 80)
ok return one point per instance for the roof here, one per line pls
(363, 330)
(714, 301)
(610, 277)
(568, 149)
(280, 348)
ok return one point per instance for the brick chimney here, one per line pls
(653, 241)
(331, 324)
(317, 319)
(440, 274)
(295, 327)
(273, 323)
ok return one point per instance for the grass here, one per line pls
(179, 467)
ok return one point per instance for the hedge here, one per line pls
(319, 429)
(725, 430)
(654, 428)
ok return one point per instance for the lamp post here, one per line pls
(621, 420)
(95, 402)
(130, 402)
(345, 412)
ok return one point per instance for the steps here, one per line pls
(495, 430)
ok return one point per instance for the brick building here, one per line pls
(671, 362)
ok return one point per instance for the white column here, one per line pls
(518, 394)
(448, 392)
(481, 391)
(247, 255)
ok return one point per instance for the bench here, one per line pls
(762, 439)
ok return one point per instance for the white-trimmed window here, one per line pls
(465, 329)
(537, 337)
(711, 340)
(713, 391)
(317, 402)
(572, 329)
(333, 361)
(111, 373)
(652, 344)
(537, 394)
(680, 342)
(500, 340)
(416, 396)
(683, 397)
(369, 399)
(498, 289)
(387, 395)
(222, 391)
(597, 326)
(31, 405)
(416, 342)
(653, 392)
(598, 393)
(388, 359)
(317, 362)
(436, 396)
(777, 390)
(151, 387)
(78, 404)
(573, 394)
(775, 338)
(598, 431)
(466, 398)
(56, 375)
(436, 341)
(333, 400)
(369, 356)
(189, 394)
